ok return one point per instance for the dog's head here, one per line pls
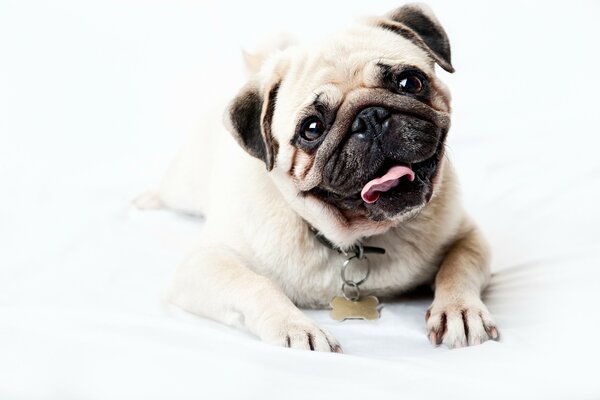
(352, 129)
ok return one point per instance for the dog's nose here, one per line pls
(371, 122)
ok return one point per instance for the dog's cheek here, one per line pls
(301, 164)
(440, 96)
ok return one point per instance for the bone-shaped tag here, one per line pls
(364, 308)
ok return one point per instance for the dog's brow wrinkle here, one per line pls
(319, 104)
(321, 107)
(318, 98)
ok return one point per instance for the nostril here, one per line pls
(371, 122)
(358, 125)
(372, 115)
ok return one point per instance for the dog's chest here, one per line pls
(311, 276)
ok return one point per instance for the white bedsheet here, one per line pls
(96, 97)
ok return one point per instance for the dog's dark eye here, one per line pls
(312, 129)
(410, 83)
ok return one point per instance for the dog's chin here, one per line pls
(402, 201)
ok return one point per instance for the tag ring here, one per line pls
(351, 282)
(354, 286)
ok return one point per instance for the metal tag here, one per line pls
(364, 308)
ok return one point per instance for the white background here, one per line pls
(96, 97)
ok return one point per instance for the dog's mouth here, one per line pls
(395, 176)
(395, 189)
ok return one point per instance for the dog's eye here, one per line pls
(312, 129)
(410, 83)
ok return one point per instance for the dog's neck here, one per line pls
(357, 250)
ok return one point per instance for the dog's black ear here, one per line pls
(249, 119)
(418, 23)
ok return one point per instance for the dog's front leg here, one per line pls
(216, 283)
(457, 316)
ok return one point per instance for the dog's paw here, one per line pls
(459, 323)
(301, 334)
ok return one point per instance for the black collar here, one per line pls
(357, 250)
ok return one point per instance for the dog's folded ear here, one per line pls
(417, 23)
(249, 117)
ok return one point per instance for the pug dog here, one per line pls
(337, 145)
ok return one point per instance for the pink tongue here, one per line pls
(370, 193)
